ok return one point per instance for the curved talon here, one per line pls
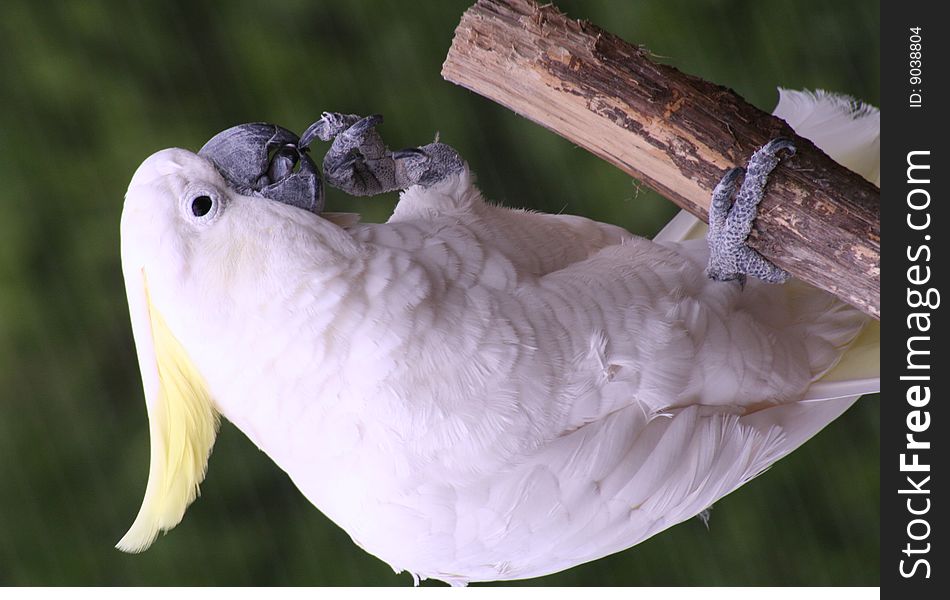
(779, 144)
(328, 127)
(310, 133)
(367, 122)
(729, 179)
(408, 153)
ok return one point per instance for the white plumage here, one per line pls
(478, 393)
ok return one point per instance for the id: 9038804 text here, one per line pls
(915, 67)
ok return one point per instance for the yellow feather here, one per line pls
(863, 358)
(182, 427)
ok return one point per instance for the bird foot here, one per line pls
(730, 257)
(360, 164)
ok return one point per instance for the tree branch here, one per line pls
(675, 132)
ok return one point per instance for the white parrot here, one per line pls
(472, 392)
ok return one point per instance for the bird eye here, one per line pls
(201, 205)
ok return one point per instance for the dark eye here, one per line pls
(201, 205)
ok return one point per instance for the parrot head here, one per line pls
(194, 228)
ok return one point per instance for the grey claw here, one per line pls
(328, 127)
(408, 153)
(428, 165)
(778, 144)
(348, 163)
(731, 176)
(310, 133)
(363, 125)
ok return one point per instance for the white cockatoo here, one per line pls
(472, 392)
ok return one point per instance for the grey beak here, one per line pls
(261, 159)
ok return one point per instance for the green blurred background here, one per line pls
(92, 88)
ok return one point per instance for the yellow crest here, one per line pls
(182, 428)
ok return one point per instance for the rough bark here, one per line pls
(675, 132)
